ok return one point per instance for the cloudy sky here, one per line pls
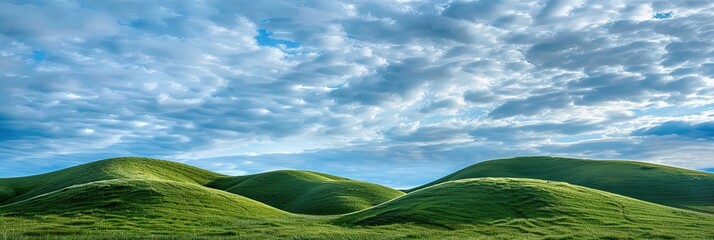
(394, 92)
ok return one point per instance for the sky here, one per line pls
(395, 92)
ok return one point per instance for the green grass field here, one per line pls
(129, 198)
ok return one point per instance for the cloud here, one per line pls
(532, 105)
(426, 133)
(403, 86)
(479, 96)
(704, 130)
(397, 82)
(557, 8)
(438, 105)
(474, 10)
(654, 149)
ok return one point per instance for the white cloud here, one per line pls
(425, 79)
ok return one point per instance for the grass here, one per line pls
(534, 206)
(665, 185)
(6, 193)
(86, 227)
(307, 192)
(141, 198)
(130, 198)
(18, 189)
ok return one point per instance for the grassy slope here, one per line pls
(494, 208)
(6, 193)
(125, 194)
(141, 198)
(535, 206)
(130, 187)
(18, 189)
(307, 192)
(665, 185)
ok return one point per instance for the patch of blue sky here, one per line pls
(467, 114)
(673, 111)
(264, 39)
(474, 113)
(137, 24)
(434, 119)
(39, 56)
(662, 15)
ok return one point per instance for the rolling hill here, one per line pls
(142, 198)
(128, 198)
(18, 189)
(665, 185)
(140, 195)
(307, 192)
(294, 191)
(534, 206)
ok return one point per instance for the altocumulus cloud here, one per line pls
(354, 88)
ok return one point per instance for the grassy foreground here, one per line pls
(129, 198)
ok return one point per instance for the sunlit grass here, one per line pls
(676, 187)
(529, 206)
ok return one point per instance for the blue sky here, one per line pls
(394, 92)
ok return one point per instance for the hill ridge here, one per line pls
(529, 205)
(20, 188)
(319, 193)
(685, 188)
(142, 198)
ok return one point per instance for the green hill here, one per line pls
(18, 189)
(665, 185)
(530, 205)
(307, 192)
(137, 195)
(142, 198)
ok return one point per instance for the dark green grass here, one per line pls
(307, 192)
(534, 206)
(665, 185)
(6, 193)
(18, 189)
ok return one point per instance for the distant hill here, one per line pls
(529, 205)
(307, 192)
(665, 185)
